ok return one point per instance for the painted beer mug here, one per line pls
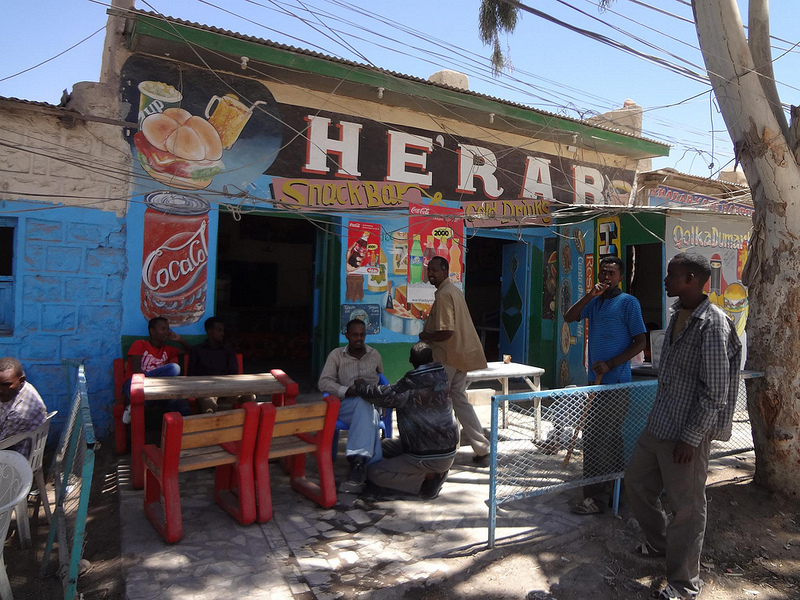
(229, 117)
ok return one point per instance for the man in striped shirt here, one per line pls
(698, 382)
(21, 407)
(342, 368)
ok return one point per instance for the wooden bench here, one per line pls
(122, 372)
(291, 433)
(275, 384)
(225, 441)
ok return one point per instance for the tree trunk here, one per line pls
(773, 267)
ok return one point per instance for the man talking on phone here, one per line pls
(616, 334)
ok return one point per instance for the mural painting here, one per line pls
(202, 139)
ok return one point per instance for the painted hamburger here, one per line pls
(179, 150)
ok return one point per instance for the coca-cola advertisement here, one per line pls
(175, 257)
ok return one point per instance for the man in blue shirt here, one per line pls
(616, 334)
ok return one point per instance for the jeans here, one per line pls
(364, 435)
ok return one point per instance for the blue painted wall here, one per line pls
(69, 265)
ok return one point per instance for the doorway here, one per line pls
(265, 292)
(483, 271)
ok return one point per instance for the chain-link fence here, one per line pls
(566, 438)
(73, 465)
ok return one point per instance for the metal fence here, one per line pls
(566, 438)
(73, 465)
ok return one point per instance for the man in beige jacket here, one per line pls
(451, 334)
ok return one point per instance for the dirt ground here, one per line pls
(752, 550)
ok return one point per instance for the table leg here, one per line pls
(504, 407)
(535, 386)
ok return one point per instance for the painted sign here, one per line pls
(663, 195)
(200, 137)
(499, 213)
(495, 180)
(608, 237)
(337, 195)
(363, 248)
(433, 231)
(369, 313)
(725, 242)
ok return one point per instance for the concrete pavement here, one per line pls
(359, 547)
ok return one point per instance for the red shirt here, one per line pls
(153, 357)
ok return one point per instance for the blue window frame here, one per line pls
(8, 228)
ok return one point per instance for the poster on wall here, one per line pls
(198, 139)
(363, 249)
(433, 231)
(725, 242)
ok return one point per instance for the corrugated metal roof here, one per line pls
(349, 63)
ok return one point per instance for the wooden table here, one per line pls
(503, 372)
(276, 384)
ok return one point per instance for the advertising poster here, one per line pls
(725, 242)
(363, 249)
(198, 138)
(432, 231)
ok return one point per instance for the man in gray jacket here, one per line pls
(418, 461)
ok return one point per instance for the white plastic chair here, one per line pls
(38, 439)
(16, 478)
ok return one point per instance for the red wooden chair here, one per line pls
(292, 432)
(224, 440)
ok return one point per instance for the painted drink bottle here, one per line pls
(455, 261)
(415, 266)
(427, 255)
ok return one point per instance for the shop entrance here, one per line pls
(265, 292)
(483, 270)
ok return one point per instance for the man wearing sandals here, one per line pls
(698, 382)
(616, 334)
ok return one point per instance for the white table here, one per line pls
(503, 372)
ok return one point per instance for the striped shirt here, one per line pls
(341, 370)
(698, 378)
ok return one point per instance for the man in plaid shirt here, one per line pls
(21, 406)
(698, 381)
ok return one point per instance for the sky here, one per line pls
(555, 68)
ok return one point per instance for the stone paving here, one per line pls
(360, 545)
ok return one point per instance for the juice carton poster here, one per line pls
(433, 231)
(363, 248)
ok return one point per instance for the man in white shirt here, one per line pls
(342, 368)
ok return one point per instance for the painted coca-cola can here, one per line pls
(175, 257)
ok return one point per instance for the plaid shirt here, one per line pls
(698, 378)
(22, 414)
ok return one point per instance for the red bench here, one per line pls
(225, 441)
(290, 433)
(122, 372)
(275, 384)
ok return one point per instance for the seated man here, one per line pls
(21, 407)
(342, 368)
(417, 462)
(155, 358)
(213, 357)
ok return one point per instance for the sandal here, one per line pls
(647, 551)
(587, 507)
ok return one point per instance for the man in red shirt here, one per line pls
(155, 358)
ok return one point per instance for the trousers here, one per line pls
(652, 469)
(364, 435)
(399, 471)
(465, 412)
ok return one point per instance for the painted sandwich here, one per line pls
(179, 149)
